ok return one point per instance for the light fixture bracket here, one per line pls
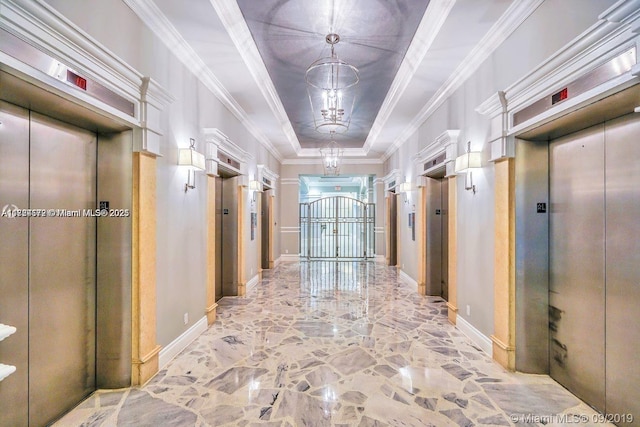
(193, 160)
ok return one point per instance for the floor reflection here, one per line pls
(330, 344)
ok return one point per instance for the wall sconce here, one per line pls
(255, 187)
(404, 188)
(465, 163)
(194, 160)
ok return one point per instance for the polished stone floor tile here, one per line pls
(333, 344)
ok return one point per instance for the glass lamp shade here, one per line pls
(331, 86)
(468, 161)
(331, 158)
(255, 186)
(404, 187)
(190, 157)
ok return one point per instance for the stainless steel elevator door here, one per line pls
(62, 268)
(14, 261)
(437, 237)
(576, 253)
(622, 266)
(266, 221)
(230, 231)
(392, 229)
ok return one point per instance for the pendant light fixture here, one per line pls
(331, 157)
(331, 86)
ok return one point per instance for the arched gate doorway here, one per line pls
(337, 227)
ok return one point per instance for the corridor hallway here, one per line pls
(333, 344)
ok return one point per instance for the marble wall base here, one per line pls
(211, 314)
(146, 368)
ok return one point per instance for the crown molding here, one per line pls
(233, 21)
(620, 11)
(345, 161)
(159, 24)
(224, 144)
(265, 172)
(615, 31)
(515, 15)
(432, 21)
(601, 42)
(290, 181)
(392, 177)
(447, 143)
(45, 28)
(347, 152)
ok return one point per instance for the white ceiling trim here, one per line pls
(231, 16)
(347, 152)
(515, 15)
(434, 17)
(153, 17)
(345, 161)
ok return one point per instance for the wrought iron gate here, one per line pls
(337, 227)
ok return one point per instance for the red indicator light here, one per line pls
(559, 96)
(76, 80)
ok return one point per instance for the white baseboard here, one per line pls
(277, 261)
(481, 340)
(180, 343)
(253, 282)
(408, 280)
(289, 258)
(380, 258)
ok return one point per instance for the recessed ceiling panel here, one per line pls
(374, 37)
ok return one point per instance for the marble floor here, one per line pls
(333, 344)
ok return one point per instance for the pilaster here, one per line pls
(145, 349)
(504, 266)
(452, 304)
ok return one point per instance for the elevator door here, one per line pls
(391, 226)
(576, 253)
(266, 212)
(437, 237)
(622, 255)
(56, 268)
(594, 253)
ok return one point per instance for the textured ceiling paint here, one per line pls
(290, 35)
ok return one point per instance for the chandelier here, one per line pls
(331, 86)
(331, 157)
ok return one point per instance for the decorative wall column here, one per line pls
(504, 294)
(504, 337)
(452, 303)
(143, 293)
(242, 280)
(421, 233)
(145, 350)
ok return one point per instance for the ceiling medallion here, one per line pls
(331, 86)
